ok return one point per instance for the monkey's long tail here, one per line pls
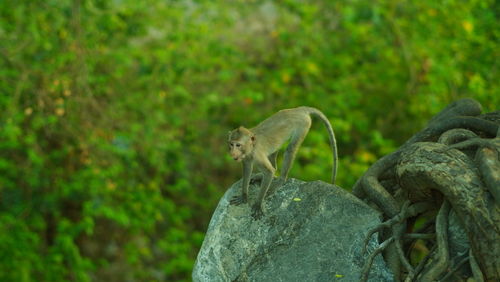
(331, 135)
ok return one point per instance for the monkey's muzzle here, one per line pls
(239, 158)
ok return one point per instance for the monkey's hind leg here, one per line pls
(257, 178)
(291, 150)
(272, 159)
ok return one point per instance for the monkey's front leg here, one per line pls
(247, 171)
(257, 207)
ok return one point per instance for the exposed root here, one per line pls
(386, 224)
(488, 160)
(419, 236)
(371, 257)
(476, 271)
(456, 135)
(424, 262)
(397, 226)
(401, 253)
(455, 269)
(477, 142)
(406, 212)
(441, 259)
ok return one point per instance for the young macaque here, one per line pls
(259, 146)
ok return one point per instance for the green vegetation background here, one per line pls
(114, 114)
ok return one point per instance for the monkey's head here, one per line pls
(241, 142)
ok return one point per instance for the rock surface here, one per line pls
(310, 231)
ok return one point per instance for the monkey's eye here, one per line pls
(238, 145)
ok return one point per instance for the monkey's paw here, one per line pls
(238, 200)
(257, 212)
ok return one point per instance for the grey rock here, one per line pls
(310, 231)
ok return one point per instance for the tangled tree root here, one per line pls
(453, 164)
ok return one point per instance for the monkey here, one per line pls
(259, 146)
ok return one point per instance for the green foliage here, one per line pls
(114, 114)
